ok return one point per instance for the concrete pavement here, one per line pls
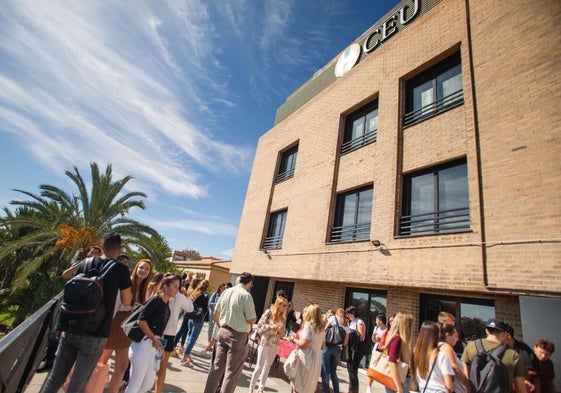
(192, 379)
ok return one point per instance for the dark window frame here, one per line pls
(358, 231)
(275, 232)
(437, 221)
(287, 164)
(468, 326)
(350, 143)
(440, 103)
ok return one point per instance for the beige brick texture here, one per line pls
(508, 130)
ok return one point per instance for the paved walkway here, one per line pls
(192, 379)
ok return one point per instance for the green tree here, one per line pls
(50, 230)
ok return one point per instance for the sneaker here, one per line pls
(368, 390)
(44, 367)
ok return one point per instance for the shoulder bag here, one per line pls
(335, 334)
(291, 363)
(379, 369)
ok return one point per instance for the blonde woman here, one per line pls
(196, 320)
(181, 334)
(398, 344)
(310, 342)
(271, 327)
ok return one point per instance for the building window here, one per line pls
(361, 127)
(434, 91)
(287, 164)
(369, 303)
(436, 200)
(471, 314)
(352, 216)
(275, 232)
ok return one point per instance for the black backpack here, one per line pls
(487, 372)
(82, 307)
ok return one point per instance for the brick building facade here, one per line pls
(426, 177)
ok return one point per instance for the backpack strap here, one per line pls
(479, 345)
(499, 351)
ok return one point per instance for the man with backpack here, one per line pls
(84, 331)
(490, 366)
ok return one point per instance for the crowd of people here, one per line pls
(173, 310)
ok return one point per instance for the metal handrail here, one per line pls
(350, 233)
(363, 140)
(272, 242)
(284, 176)
(23, 349)
(443, 221)
(434, 108)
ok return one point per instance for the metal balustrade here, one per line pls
(356, 143)
(433, 109)
(350, 233)
(444, 221)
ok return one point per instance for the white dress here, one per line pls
(308, 372)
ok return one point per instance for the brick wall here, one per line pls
(513, 110)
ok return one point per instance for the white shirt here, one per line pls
(436, 381)
(177, 304)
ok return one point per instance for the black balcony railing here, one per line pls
(445, 221)
(356, 143)
(433, 109)
(285, 175)
(272, 243)
(350, 233)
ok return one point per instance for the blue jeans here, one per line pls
(82, 349)
(195, 328)
(182, 332)
(330, 356)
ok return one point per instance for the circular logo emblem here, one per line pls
(347, 60)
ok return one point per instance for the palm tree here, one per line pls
(50, 230)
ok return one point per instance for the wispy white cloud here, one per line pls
(116, 83)
(205, 226)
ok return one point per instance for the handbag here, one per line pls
(129, 326)
(379, 370)
(257, 332)
(335, 334)
(291, 363)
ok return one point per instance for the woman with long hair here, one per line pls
(179, 304)
(448, 339)
(271, 327)
(196, 320)
(154, 285)
(355, 352)
(431, 367)
(117, 340)
(152, 322)
(331, 354)
(398, 344)
(310, 342)
(181, 335)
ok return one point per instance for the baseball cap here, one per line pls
(496, 324)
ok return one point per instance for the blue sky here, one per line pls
(174, 93)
